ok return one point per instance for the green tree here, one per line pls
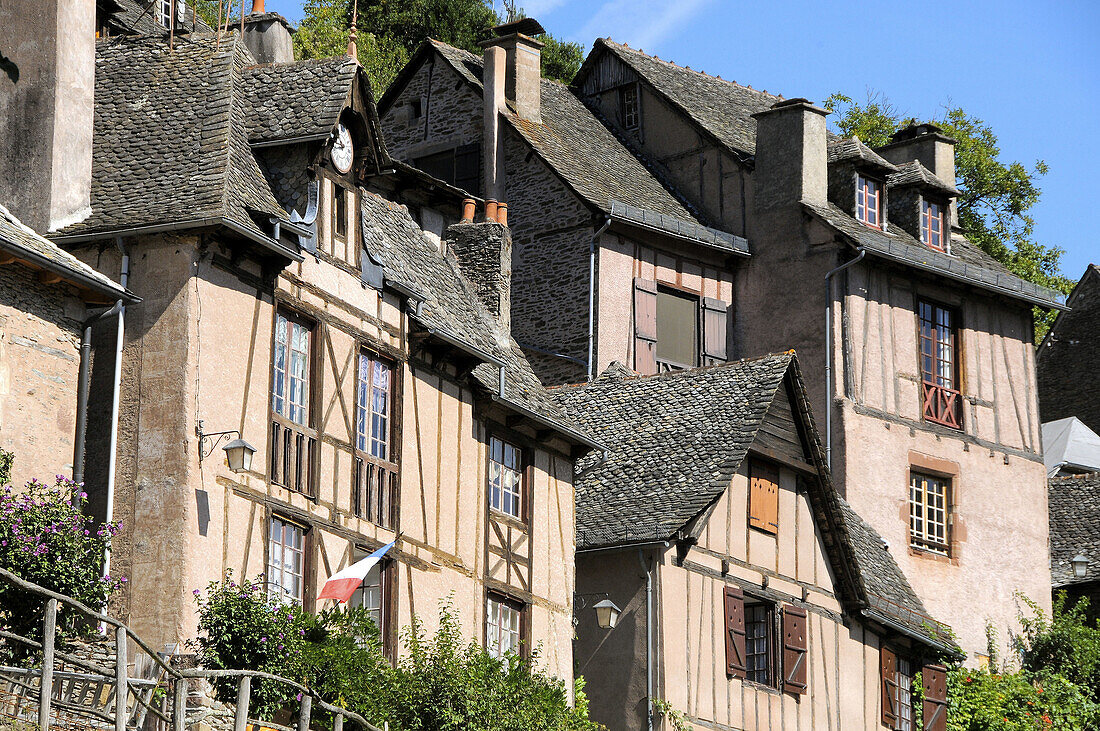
(561, 60)
(996, 197)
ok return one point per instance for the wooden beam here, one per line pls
(48, 277)
(6, 259)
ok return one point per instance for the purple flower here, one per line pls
(196, 592)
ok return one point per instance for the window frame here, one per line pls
(919, 540)
(926, 220)
(665, 365)
(935, 383)
(631, 118)
(769, 621)
(304, 553)
(760, 469)
(164, 12)
(900, 694)
(520, 608)
(864, 184)
(293, 319)
(365, 439)
(340, 212)
(521, 469)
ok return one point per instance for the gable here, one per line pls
(780, 436)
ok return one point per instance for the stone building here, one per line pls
(588, 218)
(752, 595)
(850, 255)
(1067, 357)
(47, 300)
(367, 363)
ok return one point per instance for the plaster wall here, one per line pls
(39, 367)
(200, 347)
(622, 257)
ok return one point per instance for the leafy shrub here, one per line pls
(46, 539)
(242, 628)
(445, 682)
(985, 701)
(6, 458)
(1067, 645)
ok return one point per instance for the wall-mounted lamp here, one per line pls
(1080, 565)
(238, 452)
(607, 614)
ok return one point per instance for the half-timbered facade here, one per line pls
(366, 363)
(752, 595)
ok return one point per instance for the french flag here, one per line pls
(343, 583)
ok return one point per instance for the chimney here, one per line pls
(492, 142)
(484, 252)
(927, 143)
(47, 85)
(523, 65)
(790, 155)
(267, 35)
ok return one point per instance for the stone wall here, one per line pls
(39, 366)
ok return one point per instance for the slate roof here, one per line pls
(722, 108)
(169, 144)
(914, 173)
(452, 306)
(24, 243)
(1070, 445)
(139, 17)
(674, 442)
(1074, 504)
(843, 149)
(1065, 366)
(966, 262)
(282, 101)
(577, 146)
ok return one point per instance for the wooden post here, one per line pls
(338, 722)
(179, 709)
(45, 687)
(303, 716)
(122, 685)
(244, 690)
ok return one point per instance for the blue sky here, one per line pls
(1030, 70)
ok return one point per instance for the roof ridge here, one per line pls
(345, 59)
(610, 42)
(1082, 476)
(680, 372)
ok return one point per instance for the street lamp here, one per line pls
(607, 614)
(239, 453)
(1080, 565)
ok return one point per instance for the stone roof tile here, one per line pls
(1074, 504)
(297, 99)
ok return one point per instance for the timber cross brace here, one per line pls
(50, 697)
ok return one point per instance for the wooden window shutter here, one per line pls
(934, 680)
(645, 326)
(734, 605)
(888, 662)
(714, 331)
(764, 497)
(468, 168)
(794, 650)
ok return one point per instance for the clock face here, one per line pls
(342, 151)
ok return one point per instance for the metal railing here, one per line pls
(109, 695)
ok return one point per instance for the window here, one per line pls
(369, 595)
(759, 642)
(460, 167)
(628, 106)
(897, 690)
(290, 385)
(286, 561)
(502, 625)
(868, 201)
(340, 211)
(931, 224)
(373, 401)
(677, 329)
(939, 365)
(164, 10)
(928, 509)
(764, 496)
(505, 477)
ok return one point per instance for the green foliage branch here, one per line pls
(47, 539)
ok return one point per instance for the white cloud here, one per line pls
(641, 23)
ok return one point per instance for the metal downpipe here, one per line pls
(124, 276)
(648, 640)
(592, 296)
(82, 388)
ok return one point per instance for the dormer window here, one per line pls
(931, 224)
(869, 201)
